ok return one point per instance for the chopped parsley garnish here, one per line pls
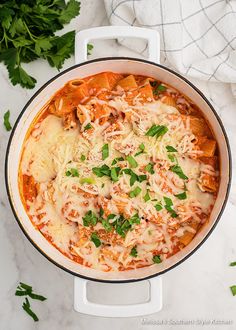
(82, 158)
(156, 130)
(26, 307)
(104, 170)
(170, 149)
(26, 290)
(232, 264)
(101, 212)
(135, 192)
(115, 173)
(107, 226)
(134, 219)
(156, 259)
(147, 196)
(87, 180)
(89, 49)
(141, 148)
(90, 219)
(168, 206)
(178, 170)
(116, 160)
(149, 168)
(132, 162)
(158, 207)
(88, 126)
(105, 151)
(134, 252)
(72, 172)
(95, 239)
(181, 196)
(233, 290)
(171, 158)
(133, 176)
(6, 122)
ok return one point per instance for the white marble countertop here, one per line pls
(197, 290)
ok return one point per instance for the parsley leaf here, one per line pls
(132, 162)
(178, 170)
(105, 151)
(88, 126)
(116, 160)
(114, 173)
(134, 252)
(135, 192)
(26, 307)
(156, 130)
(182, 195)
(6, 122)
(104, 170)
(89, 49)
(149, 168)
(141, 148)
(95, 239)
(147, 196)
(156, 259)
(232, 264)
(29, 33)
(168, 206)
(72, 172)
(170, 149)
(82, 158)
(90, 219)
(158, 207)
(233, 290)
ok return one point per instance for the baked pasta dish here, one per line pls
(119, 171)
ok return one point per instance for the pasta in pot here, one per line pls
(119, 171)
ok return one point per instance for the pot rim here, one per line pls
(114, 59)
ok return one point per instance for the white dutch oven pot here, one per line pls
(82, 69)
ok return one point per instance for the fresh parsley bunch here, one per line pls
(27, 32)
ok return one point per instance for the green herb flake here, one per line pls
(89, 49)
(26, 307)
(149, 168)
(87, 180)
(88, 126)
(95, 239)
(135, 219)
(141, 148)
(134, 252)
(156, 259)
(178, 170)
(135, 192)
(232, 264)
(147, 196)
(72, 172)
(157, 130)
(6, 122)
(233, 290)
(170, 149)
(158, 207)
(171, 158)
(132, 162)
(105, 151)
(182, 195)
(168, 206)
(90, 219)
(107, 226)
(158, 89)
(104, 170)
(116, 160)
(115, 173)
(82, 158)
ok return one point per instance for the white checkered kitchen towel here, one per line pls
(198, 37)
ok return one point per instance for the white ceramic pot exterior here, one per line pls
(119, 65)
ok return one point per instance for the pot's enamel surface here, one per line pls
(120, 65)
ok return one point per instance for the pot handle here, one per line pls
(83, 305)
(83, 37)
